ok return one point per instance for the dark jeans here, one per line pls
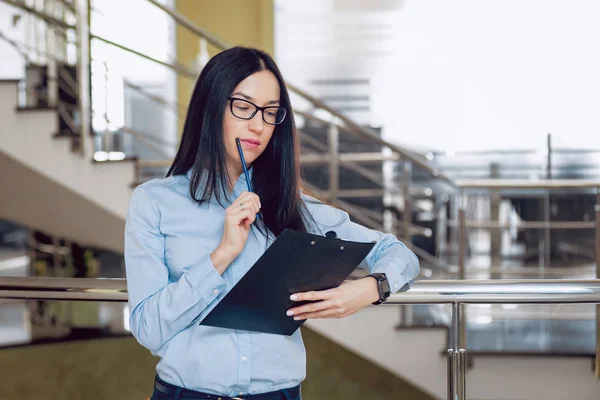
(166, 391)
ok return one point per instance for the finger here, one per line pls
(248, 204)
(247, 198)
(252, 197)
(338, 312)
(314, 295)
(245, 214)
(250, 218)
(256, 199)
(314, 307)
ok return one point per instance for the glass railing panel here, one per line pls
(531, 328)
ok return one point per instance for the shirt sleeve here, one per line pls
(159, 307)
(389, 255)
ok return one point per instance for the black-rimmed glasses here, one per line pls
(243, 109)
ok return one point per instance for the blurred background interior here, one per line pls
(467, 128)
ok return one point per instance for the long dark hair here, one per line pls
(275, 174)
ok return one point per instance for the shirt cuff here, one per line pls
(205, 280)
(396, 280)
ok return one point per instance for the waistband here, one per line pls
(171, 390)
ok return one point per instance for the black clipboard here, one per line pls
(295, 262)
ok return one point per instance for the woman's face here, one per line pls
(261, 89)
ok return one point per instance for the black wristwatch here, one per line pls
(383, 286)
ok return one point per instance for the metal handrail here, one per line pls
(527, 184)
(455, 293)
(46, 17)
(475, 224)
(180, 69)
(522, 291)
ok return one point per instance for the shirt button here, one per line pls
(216, 291)
(244, 358)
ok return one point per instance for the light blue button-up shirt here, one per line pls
(173, 285)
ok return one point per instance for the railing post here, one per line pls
(597, 209)
(333, 138)
(83, 71)
(451, 372)
(462, 235)
(495, 233)
(407, 214)
(462, 250)
(407, 309)
(51, 61)
(456, 358)
(546, 232)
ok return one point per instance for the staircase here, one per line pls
(82, 200)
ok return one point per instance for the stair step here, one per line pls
(64, 135)
(35, 108)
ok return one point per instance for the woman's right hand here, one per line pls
(238, 218)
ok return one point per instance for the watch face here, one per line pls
(385, 286)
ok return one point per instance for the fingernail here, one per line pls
(290, 313)
(296, 318)
(293, 297)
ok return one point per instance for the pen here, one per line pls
(239, 147)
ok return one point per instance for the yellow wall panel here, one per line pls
(237, 22)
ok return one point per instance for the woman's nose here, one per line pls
(256, 124)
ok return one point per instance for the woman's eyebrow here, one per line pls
(249, 98)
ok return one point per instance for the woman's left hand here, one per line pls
(340, 302)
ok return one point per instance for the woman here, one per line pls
(188, 241)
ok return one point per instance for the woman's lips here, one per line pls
(251, 144)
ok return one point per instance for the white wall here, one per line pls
(12, 65)
(471, 74)
(454, 75)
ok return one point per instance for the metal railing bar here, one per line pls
(28, 48)
(321, 121)
(220, 44)
(156, 144)
(15, 45)
(525, 224)
(318, 159)
(527, 184)
(42, 15)
(180, 69)
(158, 99)
(421, 292)
(64, 113)
(305, 138)
(363, 214)
(526, 271)
(68, 5)
(374, 156)
(69, 80)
